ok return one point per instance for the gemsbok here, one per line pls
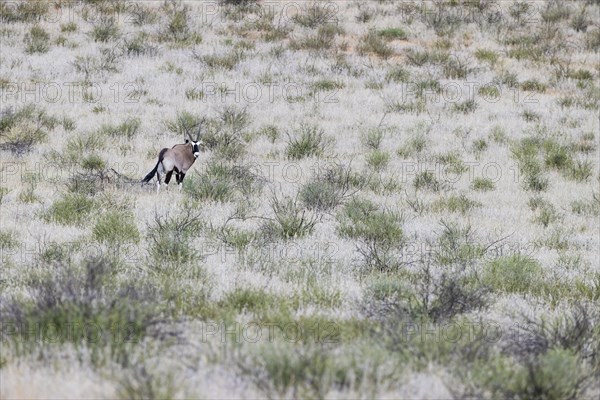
(178, 159)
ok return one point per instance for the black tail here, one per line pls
(150, 174)
(161, 155)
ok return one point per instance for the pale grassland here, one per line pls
(396, 199)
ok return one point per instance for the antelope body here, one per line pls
(178, 159)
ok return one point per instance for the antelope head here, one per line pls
(196, 144)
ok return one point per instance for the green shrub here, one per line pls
(489, 56)
(482, 184)
(93, 162)
(36, 41)
(325, 85)
(106, 29)
(378, 232)
(414, 146)
(489, 92)
(127, 128)
(378, 160)
(20, 130)
(465, 107)
(3, 192)
(308, 141)
(461, 204)
(533, 85)
(322, 40)
(115, 228)
(176, 26)
(372, 138)
(84, 306)
(580, 170)
(23, 11)
(556, 374)
(8, 240)
(141, 384)
(313, 16)
(397, 74)
(290, 220)
(426, 180)
(183, 123)
(71, 209)
(392, 34)
(220, 182)
(319, 195)
(138, 45)
(215, 184)
(170, 239)
(373, 43)
(513, 274)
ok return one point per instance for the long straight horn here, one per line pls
(187, 133)
(199, 129)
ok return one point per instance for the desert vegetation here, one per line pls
(394, 199)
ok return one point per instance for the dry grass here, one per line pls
(374, 178)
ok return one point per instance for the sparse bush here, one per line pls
(426, 180)
(456, 67)
(460, 203)
(580, 170)
(271, 132)
(214, 184)
(589, 207)
(71, 209)
(513, 274)
(372, 138)
(326, 85)
(105, 30)
(415, 146)
(184, 123)
(227, 61)
(397, 74)
(308, 141)
(392, 34)
(373, 43)
(138, 45)
(378, 232)
(323, 39)
(220, 182)
(482, 184)
(509, 79)
(126, 129)
(290, 220)
(176, 27)
(170, 239)
(141, 384)
(22, 129)
(329, 187)
(8, 240)
(67, 300)
(546, 214)
(378, 160)
(533, 85)
(465, 107)
(37, 40)
(68, 27)
(313, 15)
(23, 11)
(115, 228)
(489, 56)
